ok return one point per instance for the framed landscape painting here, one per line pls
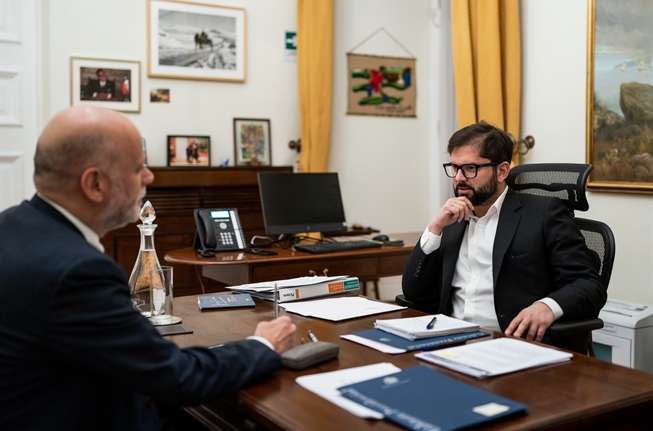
(196, 41)
(113, 84)
(620, 96)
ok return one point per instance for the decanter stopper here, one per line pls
(147, 213)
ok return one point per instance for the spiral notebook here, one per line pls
(414, 328)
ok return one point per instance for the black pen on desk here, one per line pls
(432, 323)
(312, 336)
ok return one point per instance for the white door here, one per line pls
(20, 97)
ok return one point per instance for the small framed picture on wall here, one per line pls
(252, 142)
(186, 150)
(113, 84)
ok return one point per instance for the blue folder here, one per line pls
(424, 343)
(420, 398)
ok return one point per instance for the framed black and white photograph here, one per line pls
(184, 150)
(113, 84)
(252, 142)
(196, 41)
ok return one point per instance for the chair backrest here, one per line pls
(567, 181)
(562, 180)
(600, 240)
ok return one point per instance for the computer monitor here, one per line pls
(294, 203)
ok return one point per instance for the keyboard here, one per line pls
(329, 247)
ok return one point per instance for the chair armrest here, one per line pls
(574, 327)
(426, 308)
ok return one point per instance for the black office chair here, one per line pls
(566, 181)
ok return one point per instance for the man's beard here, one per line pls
(483, 193)
(120, 211)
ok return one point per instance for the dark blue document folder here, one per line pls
(420, 398)
(423, 343)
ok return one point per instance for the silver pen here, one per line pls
(276, 301)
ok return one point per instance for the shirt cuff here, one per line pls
(262, 340)
(557, 311)
(429, 241)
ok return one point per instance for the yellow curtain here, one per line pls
(487, 63)
(314, 75)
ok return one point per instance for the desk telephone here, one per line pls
(218, 229)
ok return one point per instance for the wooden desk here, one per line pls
(582, 394)
(237, 267)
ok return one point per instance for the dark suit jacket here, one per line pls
(538, 252)
(94, 87)
(75, 355)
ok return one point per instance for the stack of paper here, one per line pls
(494, 357)
(414, 328)
(299, 288)
(340, 308)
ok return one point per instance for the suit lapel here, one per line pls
(506, 228)
(449, 250)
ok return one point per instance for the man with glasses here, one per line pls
(511, 263)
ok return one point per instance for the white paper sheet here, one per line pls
(268, 286)
(494, 357)
(336, 309)
(326, 384)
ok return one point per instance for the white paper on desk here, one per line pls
(326, 384)
(494, 357)
(373, 344)
(336, 309)
(268, 286)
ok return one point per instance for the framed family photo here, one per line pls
(620, 96)
(252, 142)
(113, 84)
(186, 150)
(196, 41)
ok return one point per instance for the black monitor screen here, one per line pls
(294, 203)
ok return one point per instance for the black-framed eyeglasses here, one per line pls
(469, 170)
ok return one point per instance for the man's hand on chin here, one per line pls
(533, 320)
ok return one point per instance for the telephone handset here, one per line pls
(218, 229)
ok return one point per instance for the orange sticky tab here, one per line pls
(336, 287)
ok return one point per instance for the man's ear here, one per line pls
(503, 169)
(94, 184)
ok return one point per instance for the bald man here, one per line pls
(74, 354)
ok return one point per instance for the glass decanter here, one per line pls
(139, 280)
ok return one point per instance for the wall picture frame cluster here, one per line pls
(189, 150)
(252, 142)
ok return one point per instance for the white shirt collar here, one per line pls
(89, 234)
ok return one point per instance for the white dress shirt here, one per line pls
(473, 285)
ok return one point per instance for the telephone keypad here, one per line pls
(226, 238)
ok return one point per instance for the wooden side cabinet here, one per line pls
(174, 194)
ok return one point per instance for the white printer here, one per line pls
(627, 335)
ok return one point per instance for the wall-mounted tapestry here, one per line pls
(381, 85)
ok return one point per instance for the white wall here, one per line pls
(554, 47)
(74, 28)
(382, 162)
